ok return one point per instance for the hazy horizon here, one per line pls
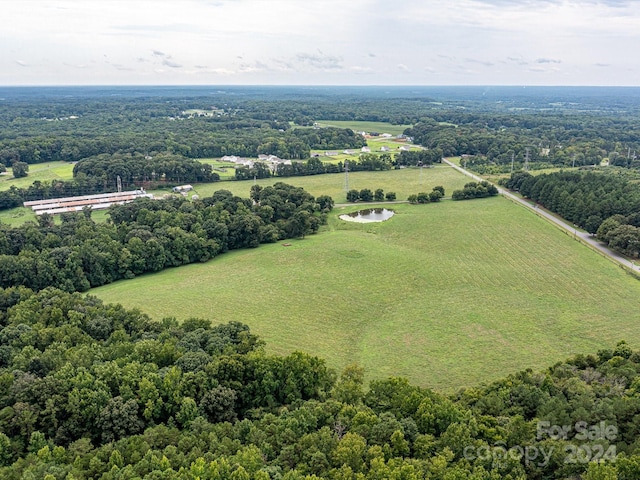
(329, 43)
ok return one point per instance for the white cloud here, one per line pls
(289, 42)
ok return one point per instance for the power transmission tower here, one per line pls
(512, 156)
(119, 181)
(526, 161)
(346, 175)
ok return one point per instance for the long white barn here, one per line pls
(99, 201)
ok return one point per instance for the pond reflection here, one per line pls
(369, 215)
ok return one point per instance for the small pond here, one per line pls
(369, 215)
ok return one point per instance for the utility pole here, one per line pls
(346, 175)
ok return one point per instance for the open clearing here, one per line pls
(404, 182)
(39, 171)
(447, 294)
(379, 127)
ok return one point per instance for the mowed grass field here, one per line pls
(404, 182)
(449, 295)
(39, 171)
(379, 127)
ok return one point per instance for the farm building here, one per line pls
(183, 188)
(75, 204)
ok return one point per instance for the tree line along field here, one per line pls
(363, 126)
(447, 294)
(403, 182)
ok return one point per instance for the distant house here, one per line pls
(330, 154)
(183, 188)
(365, 150)
(230, 158)
(262, 156)
(404, 148)
(384, 148)
(386, 135)
(348, 152)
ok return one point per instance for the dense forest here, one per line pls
(558, 127)
(150, 235)
(140, 170)
(96, 391)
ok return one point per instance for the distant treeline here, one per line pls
(189, 137)
(493, 141)
(369, 162)
(150, 235)
(136, 170)
(601, 203)
(492, 132)
(99, 175)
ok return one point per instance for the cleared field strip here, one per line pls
(445, 294)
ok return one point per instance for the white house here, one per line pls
(365, 150)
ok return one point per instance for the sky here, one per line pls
(322, 42)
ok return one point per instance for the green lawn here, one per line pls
(404, 182)
(39, 171)
(447, 294)
(380, 127)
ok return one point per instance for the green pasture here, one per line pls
(39, 171)
(447, 295)
(404, 182)
(16, 216)
(380, 127)
(229, 172)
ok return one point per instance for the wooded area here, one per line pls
(96, 391)
(148, 236)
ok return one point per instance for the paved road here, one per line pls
(583, 236)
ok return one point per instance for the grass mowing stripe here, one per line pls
(446, 294)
